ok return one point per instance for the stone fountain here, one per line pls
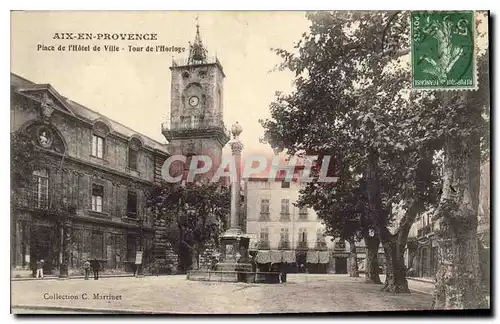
(234, 262)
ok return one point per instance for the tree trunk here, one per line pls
(395, 273)
(353, 258)
(458, 277)
(372, 266)
(394, 250)
(395, 280)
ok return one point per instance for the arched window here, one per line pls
(133, 153)
(40, 189)
(100, 131)
(219, 100)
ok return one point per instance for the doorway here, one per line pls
(46, 247)
(341, 265)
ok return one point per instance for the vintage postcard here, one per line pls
(249, 162)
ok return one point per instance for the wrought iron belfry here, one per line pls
(197, 52)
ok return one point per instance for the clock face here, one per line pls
(193, 101)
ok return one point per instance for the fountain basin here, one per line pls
(234, 276)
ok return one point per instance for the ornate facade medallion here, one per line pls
(45, 137)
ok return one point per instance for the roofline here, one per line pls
(96, 112)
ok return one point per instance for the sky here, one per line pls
(133, 88)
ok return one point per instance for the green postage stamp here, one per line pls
(443, 50)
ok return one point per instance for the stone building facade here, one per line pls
(283, 233)
(88, 194)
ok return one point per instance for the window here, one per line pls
(284, 234)
(219, 100)
(264, 234)
(97, 197)
(285, 206)
(132, 204)
(302, 238)
(40, 188)
(285, 184)
(98, 146)
(340, 245)
(196, 121)
(303, 213)
(320, 239)
(186, 121)
(285, 209)
(131, 247)
(264, 209)
(284, 239)
(264, 238)
(133, 154)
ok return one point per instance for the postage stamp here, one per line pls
(443, 50)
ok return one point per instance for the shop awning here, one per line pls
(324, 257)
(288, 256)
(312, 257)
(276, 256)
(263, 257)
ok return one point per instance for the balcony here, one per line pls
(264, 245)
(45, 206)
(302, 245)
(285, 216)
(179, 129)
(284, 245)
(339, 246)
(185, 61)
(321, 245)
(264, 217)
(424, 231)
(303, 216)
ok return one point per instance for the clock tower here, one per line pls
(196, 110)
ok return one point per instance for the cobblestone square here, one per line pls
(175, 294)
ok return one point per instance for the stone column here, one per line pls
(235, 260)
(236, 148)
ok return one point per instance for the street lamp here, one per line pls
(140, 221)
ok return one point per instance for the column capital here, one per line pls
(236, 147)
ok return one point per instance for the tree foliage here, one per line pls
(197, 212)
(352, 102)
(24, 157)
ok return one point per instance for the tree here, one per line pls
(197, 213)
(342, 208)
(351, 102)
(24, 157)
(464, 126)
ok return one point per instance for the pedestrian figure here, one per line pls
(86, 267)
(95, 268)
(283, 273)
(39, 269)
